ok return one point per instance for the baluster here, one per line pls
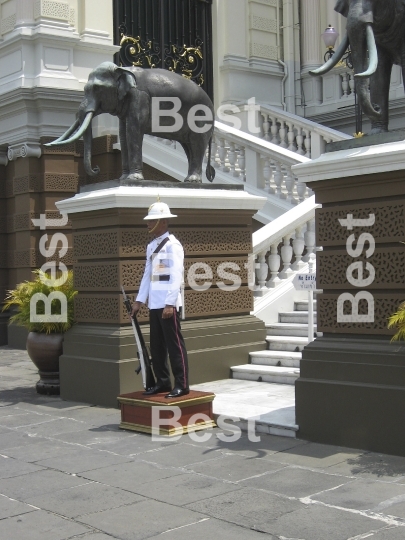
(301, 191)
(291, 137)
(242, 163)
(307, 143)
(267, 174)
(214, 152)
(266, 127)
(261, 272)
(278, 180)
(274, 261)
(300, 141)
(351, 83)
(309, 238)
(232, 159)
(345, 84)
(286, 257)
(222, 151)
(274, 131)
(298, 248)
(290, 184)
(282, 134)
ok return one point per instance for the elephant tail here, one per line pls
(210, 171)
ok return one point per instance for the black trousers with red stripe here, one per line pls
(166, 337)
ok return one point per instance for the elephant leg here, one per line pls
(134, 142)
(124, 149)
(195, 154)
(379, 91)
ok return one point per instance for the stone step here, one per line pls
(294, 317)
(302, 305)
(284, 329)
(276, 358)
(286, 343)
(269, 374)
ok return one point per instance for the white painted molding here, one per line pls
(143, 197)
(24, 150)
(356, 161)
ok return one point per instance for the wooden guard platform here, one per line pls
(136, 412)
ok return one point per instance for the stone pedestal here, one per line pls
(109, 244)
(352, 384)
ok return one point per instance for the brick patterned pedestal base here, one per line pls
(137, 411)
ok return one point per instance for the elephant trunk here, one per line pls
(88, 139)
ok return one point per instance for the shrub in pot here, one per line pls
(45, 338)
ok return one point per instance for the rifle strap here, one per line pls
(161, 245)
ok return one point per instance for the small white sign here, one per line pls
(305, 282)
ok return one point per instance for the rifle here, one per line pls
(148, 379)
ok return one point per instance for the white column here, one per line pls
(96, 19)
(310, 34)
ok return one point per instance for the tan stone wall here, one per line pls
(384, 196)
(109, 250)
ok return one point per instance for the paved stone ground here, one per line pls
(67, 471)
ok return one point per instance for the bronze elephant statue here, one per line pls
(376, 34)
(147, 102)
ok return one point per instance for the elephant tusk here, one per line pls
(331, 63)
(372, 53)
(79, 132)
(67, 133)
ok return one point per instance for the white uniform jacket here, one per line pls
(163, 275)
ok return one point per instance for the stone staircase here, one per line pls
(280, 362)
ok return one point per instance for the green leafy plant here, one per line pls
(397, 320)
(20, 298)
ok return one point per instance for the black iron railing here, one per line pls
(168, 34)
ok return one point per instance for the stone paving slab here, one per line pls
(373, 466)
(182, 454)
(131, 475)
(10, 508)
(94, 436)
(365, 495)
(317, 456)
(235, 468)
(393, 533)
(38, 483)
(183, 489)
(142, 520)
(247, 507)
(11, 467)
(296, 482)
(82, 460)
(84, 499)
(213, 528)
(320, 523)
(40, 449)
(40, 525)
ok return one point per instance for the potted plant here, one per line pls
(45, 338)
(397, 320)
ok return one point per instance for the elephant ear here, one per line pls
(342, 7)
(125, 81)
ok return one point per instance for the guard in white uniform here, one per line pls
(160, 289)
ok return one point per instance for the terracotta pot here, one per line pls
(44, 350)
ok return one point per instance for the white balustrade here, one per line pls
(284, 246)
(258, 163)
(295, 133)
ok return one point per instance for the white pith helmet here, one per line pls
(159, 210)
